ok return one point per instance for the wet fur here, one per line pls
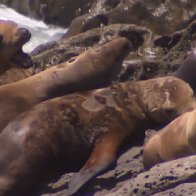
(63, 131)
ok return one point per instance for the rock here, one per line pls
(126, 178)
(66, 48)
(151, 56)
(53, 12)
(84, 23)
(160, 177)
(60, 12)
(162, 17)
(182, 189)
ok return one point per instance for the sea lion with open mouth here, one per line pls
(15, 64)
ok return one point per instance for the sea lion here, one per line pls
(187, 70)
(176, 140)
(14, 63)
(64, 131)
(94, 68)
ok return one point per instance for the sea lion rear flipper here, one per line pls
(103, 155)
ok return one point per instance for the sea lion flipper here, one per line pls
(103, 155)
(82, 177)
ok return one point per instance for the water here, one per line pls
(41, 33)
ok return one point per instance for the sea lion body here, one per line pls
(63, 131)
(94, 68)
(14, 63)
(176, 140)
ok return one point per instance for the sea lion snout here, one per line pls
(122, 44)
(118, 49)
(24, 35)
(114, 51)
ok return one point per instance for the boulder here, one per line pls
(162, 17)
(160, 177)
(50, 11)
(129, 178)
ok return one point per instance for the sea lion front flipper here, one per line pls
(103, 155)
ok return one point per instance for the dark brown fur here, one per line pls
(62, 131)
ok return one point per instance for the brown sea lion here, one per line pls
(61, 132)
(95, 68)
(176, 140)
(187, 70)
(14, 63)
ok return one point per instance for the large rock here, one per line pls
(59, 12)
(162, 17)
(161, 177)
(51, 11)
(152, 56)
(64, 49)
(127, 178)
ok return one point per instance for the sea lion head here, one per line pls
(104, 60)
(12, 39)
(171, 98)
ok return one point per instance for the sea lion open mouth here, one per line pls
(20, 57)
